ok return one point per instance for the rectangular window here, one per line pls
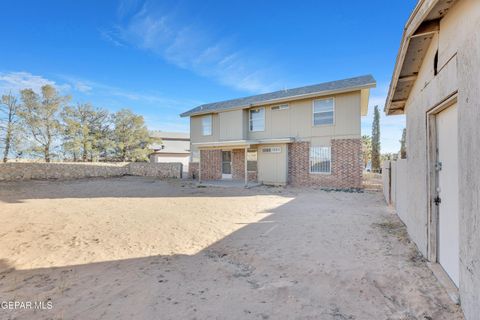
(320, 160)
(257, 119)
(280, 107)
(207, 125)
(272, 150)
(323, 112)
(195, 156)
(252, 160)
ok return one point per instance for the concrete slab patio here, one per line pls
(139, 248)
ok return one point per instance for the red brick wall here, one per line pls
(346, 166)
(238, 166)
(211, 164)
(193, 170)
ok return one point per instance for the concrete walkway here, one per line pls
(228, 184)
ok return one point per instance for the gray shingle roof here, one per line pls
(353, 83)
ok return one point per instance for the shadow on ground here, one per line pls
(15, 192)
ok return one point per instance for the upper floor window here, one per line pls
(323, 111)
(207, 125)
(257, 119)
(280, 107)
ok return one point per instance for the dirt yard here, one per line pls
(138, 248)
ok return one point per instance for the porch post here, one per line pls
(199, 166)
(246, 169)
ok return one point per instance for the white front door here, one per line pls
(447, 192)
(226, 164)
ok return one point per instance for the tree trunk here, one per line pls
(8, 138)
(46, 152)
(84, 155)
(124, 154)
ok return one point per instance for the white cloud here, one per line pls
(190, 46)
(109, 36)
(127, 6)
(82, 87)
(16, 81)
(98, 89)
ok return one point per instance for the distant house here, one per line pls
(436, 84)
(308, 136)
(173, 147)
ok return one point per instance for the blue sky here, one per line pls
(160, 58)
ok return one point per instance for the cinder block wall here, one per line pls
(346, 166)
(193, 170)
(39, 170)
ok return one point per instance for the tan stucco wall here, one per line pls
(458, 44)
(272, 167)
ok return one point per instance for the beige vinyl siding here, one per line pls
(231, 125)
(196, 133)
(272, 167)
(297, 120)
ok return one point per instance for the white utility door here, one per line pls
(447, 168)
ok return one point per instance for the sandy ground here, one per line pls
(138, 248)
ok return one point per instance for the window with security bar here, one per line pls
(320, 160)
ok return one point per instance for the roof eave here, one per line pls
(244, 143)
(416, 26)
(287, 99)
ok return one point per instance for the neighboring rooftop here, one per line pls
(170, 135)
(345, 85)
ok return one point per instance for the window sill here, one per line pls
(323, 125)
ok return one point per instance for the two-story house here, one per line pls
(308, 136)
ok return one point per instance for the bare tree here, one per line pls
(40, 117)
(8, 106)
